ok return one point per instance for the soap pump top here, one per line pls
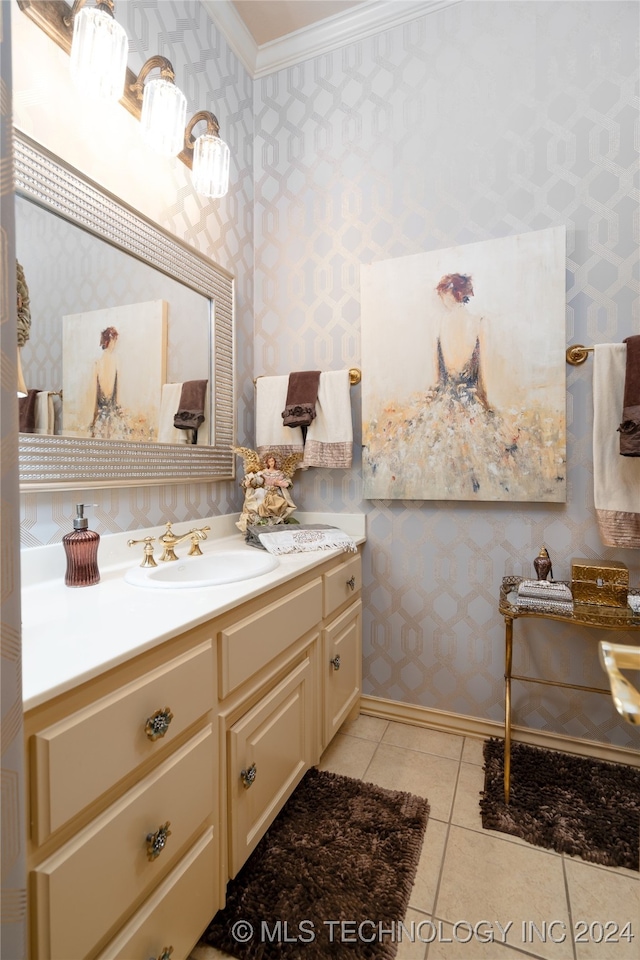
(81, 548)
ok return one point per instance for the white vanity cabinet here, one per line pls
(151, 784)
(123, 808)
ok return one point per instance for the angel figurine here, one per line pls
(266, 485)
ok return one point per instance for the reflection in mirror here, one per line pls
(79, 287)
(88, 258)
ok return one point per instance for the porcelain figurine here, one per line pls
(267, 484)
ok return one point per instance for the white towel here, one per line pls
(329, 440)
(616, 479)
(271, 433)
(305, 541)
(44, 414)
(169, 403)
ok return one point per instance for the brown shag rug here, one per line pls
(584, 807)
(340, 850)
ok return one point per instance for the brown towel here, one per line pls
(302, 394)
(27, 409)
(630, 427)
(190, 413)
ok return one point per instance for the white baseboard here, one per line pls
(475, 727)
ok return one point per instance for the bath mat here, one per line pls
(334, 870)
(575, 805)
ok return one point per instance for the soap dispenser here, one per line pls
(81, 548)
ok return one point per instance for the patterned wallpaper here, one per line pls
(482, 120)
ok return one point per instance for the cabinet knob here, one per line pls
(335, 662)
(248, 776)
(166, 954)
(156, 841)
(157, 725)
(352, 583)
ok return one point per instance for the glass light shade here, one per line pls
(210, 171)
(164, 116)
(99, 52)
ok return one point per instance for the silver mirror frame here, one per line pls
(52, 462)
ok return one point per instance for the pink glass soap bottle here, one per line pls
(81, 548)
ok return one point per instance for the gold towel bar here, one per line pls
(577, 354)
(355, 376)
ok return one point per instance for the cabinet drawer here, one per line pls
(83, 889)
(275, 739)
(176, 913)
(74, 761)
(251, 643)
(341, 584)
(342, 668)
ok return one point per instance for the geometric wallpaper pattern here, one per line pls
(478, 121)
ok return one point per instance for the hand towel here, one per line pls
(27, 411)
(169, 403)
(630, 425)
(44, 414)
(190, 413)
(329, 440)
(292, 539)
(616, 479)
(302, 395)
(271, 434)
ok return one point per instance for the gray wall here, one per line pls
(479, 121)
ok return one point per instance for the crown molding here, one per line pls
(354, 24)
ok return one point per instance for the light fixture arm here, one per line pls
(166, 72)
(106, 5)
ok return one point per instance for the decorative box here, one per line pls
(605, 584)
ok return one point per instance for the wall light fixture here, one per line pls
(99, 50)
(158, 103)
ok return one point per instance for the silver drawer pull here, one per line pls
(165, 955)
(335, 662)
(248, 776)
(156, 841)
(352, 583)
(157, 725)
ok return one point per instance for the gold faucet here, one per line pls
(169, 540)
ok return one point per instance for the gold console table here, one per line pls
(584, 615)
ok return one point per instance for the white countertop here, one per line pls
(71, 634)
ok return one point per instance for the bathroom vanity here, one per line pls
(156, 765)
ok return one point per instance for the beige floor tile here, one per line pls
(426, 741)
(484, 942)
(410, 946)
(347, 755)
(421, 773)
(602, 904)
(472, 750)
(466, 805)
(487, 878)
(369, 728)
(428, 872)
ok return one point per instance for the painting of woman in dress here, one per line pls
(114, 363)
(464, 397)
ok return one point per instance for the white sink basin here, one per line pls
(208, 570)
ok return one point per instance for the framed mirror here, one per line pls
(67, 215)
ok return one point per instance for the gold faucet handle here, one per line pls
(196, 536)
(148, 560)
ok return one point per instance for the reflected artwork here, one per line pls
(464, 351)
(113, 369)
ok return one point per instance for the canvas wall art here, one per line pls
(464, 386)
(113, 369)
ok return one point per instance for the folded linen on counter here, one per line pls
(271, 434)
(253, 531)
(545, 590)
(329, 440)
(616, 479)
(303, 538)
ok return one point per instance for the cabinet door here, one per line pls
(270, 750)
(341, 668)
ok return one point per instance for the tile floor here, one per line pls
(473, 884)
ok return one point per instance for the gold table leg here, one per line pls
(508, 656)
